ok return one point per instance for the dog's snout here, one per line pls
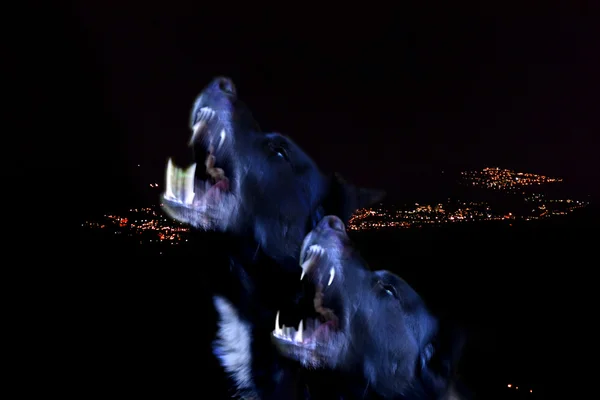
(224, 85)
(333, 222)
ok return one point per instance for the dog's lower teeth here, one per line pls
(179, 185)
(188, 188)
(289, 333)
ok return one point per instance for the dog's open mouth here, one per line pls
(199, 195)
(321, 322)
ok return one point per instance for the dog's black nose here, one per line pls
(224, 85)
(332, 222)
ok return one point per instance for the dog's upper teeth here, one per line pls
(313, 254)
(331, 276)
(204, 116)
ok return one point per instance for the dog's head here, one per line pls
(367, 324)
(248, 182)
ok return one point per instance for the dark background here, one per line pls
(383, 95)
(386, 96)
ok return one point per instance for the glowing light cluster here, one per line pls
(153, 225)
(148, 222)
(419, 215)
(535, 205)
(505, 179)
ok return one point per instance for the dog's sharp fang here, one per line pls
(331, 276)
(223, 136)
(278, 331)
(298, 335)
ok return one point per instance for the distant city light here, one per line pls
(537, 206)
(496, 179)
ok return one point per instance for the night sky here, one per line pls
(385, 98)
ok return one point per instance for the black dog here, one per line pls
(255, 196)
(370, 328)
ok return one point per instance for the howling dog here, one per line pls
(252, 197)
(364, 333)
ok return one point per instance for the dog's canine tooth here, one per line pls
(278, 331)
(298, 335)
(331, 276)
(222, 139)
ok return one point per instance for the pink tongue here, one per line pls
(214, 193)
(320, 333)
(323, 330)
(223, 184)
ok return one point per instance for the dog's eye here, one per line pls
(279, 151)
(389, 289)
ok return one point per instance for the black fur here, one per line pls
(387, 346)
(247, 245)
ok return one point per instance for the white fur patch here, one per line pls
(232, 345)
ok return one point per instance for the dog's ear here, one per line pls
(439, 359)
(344, 198)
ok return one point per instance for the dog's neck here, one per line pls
(233, 347)
(243, 301)
(246, 312)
